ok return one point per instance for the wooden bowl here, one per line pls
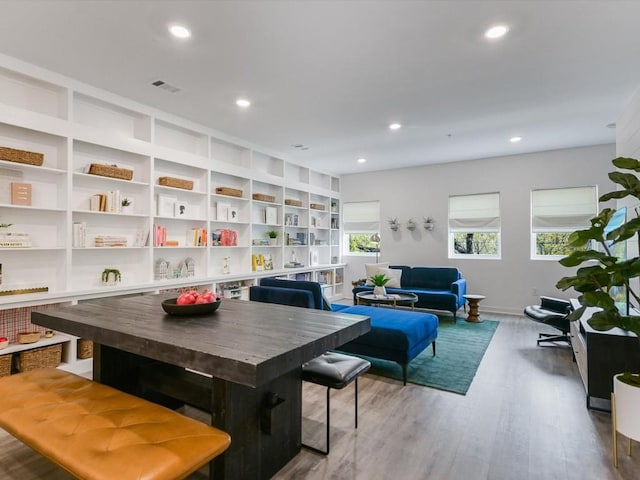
(172, 308)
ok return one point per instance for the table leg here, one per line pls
(474, 315)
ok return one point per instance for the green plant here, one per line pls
(111, 271)
(272, 234)
(603, 271)
(5, 225)
(126, 202)
(379, 279)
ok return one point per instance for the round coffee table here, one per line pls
(474, 300)
(393, 299)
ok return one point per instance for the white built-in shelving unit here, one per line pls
(75, 125)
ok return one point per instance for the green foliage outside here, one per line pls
(556, 243)
(476, 243)
(361, 242)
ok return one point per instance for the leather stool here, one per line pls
(334, 370)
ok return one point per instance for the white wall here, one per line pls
(628, 129)
(510, 283)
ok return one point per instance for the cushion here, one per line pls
(373, 269)
(394, 275)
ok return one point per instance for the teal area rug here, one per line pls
(459, 351)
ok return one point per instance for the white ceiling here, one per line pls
(333, 74)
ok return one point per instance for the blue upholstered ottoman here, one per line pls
(396, 335)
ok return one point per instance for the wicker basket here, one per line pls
(45, 357)
(29, 337)
(292, 202)
(316, 206)
(21, 156)
(176, 182)
(231, 192)
(5, 365)
(85, 348)
(109, 171)
(264, 197)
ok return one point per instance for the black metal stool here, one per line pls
(334, 370)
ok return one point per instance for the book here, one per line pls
(271, 216)
(20, 193)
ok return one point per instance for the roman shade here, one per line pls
(562, 208)
(361, 216)
(479, 212)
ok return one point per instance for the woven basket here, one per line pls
(109, 171)
(292, 202)
(45, 357)
(85, 348)
(232, 192)
(176, 182)
(316, 206)
(263, 197)
(21, 156)
(5, 365)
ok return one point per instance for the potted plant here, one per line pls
(602, 274)
(273, 235)
(394, 224)
(126, 205)
(429, 223)
(111, 276)
(411, 224)
(379, 280)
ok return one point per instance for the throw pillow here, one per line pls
(373, 269)
(394, 275)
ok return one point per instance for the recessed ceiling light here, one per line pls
(611, 125)
(362, 160)
(179, 31)
(496, 31)
(243, 103)
(395, 126)
(515, 139)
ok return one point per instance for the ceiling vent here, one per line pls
(165, 86)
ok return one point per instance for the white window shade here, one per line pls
(562, 208)
(474, 212)
(361, 216)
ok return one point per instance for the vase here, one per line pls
(626, 413)
(127, 210)
(379, 291)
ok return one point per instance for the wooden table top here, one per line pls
(249, 343)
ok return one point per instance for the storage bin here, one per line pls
(175, 182)
(110, 171)
(85, 348)
(44, 357)
(5, 365)
(21, 156)
(292, 202)
(231, 192)
(264, 197)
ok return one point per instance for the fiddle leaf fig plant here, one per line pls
(602, 270)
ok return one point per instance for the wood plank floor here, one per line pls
(524, 417)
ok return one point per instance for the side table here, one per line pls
(474, 300)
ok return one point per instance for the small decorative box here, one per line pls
(316, 206)
(264, 197)
(232, 192)
(292, 202)
(176, 183)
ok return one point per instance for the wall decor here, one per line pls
(411, 224)
(429, 223)
(394, 224)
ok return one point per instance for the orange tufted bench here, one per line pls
(96, 432)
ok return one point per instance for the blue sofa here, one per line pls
(437, 288)
(395, 335)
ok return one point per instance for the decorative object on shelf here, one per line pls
(5, 225)
(181, 209)
(222, 211)
(111, 276)
(4, 342)
(162, 269)
(429, 223)
(599, 282)
(21, 156)
(29, 337)
(379, 281)
(411, 224)
(314, 258)
(165, 205)
(263, 197)
(14, 240)
(231, 192)
(394, 224)
(20, 193)
(48, 333)
(273, 237)
(101, 241)
(292, 202)
(334, 206)
(112, 171)
(126, 206)
(317, 206)
(268, 262)
(271, 216)
(191, 267)
(24, 291)
(176, 183)
(225, 266)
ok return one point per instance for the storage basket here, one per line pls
(29, 337)
(21, 156)
(232, 192)
(176, 182)
(44, 357)
(110, 171)
(85, 348)
(5, 365)
(292, 202)
(316, 206)
(264, 198)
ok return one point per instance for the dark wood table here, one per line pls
(252, 351)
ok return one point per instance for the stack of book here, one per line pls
(79, 234)
(106, 202)
(14, 240)
(198, 237)
(110, 241)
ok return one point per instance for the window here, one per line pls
(474, 226)
(555, 213)
(361, 222)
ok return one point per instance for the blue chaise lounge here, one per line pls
(396, 335)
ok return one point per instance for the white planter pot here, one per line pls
(379, 291)
(627, 399)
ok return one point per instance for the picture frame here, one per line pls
(233, 215)
(180, 209)
(222, 211)
(271, 216)
(165, 205)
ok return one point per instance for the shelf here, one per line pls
(43, 342)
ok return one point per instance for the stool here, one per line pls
(334, 370)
